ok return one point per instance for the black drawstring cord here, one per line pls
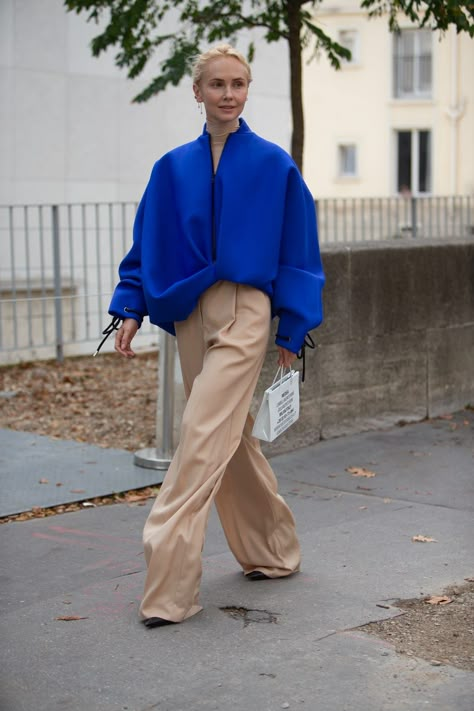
(114, 325)
(308, 343)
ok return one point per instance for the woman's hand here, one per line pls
(124, 337)
(285, 357)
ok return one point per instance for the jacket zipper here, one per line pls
(213, 210)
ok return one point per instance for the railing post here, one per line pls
(160, 457)
(414, 228)
(58, 306)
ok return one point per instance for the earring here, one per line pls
(199, 106)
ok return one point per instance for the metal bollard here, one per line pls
(160, 457)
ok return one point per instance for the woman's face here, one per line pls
(223, 89)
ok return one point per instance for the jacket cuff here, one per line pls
(127, 312)
(291, 332)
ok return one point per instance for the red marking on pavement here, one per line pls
(103, 563)
(111, 564)
(80, 532)
(82, 544)
(120, 605)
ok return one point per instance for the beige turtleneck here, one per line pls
(218, 139)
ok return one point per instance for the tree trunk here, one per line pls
(296, 81)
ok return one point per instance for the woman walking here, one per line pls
(225, 238)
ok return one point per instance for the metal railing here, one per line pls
(58, 269)
(58, 263)
(374, 219)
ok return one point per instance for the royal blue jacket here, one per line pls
(252, 222)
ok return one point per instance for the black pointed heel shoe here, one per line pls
(157, 622)
(257, 575)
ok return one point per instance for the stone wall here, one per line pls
(397, 343)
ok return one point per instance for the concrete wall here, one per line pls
(397, 343)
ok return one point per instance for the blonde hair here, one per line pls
(221, 50)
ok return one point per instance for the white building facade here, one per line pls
(397, 118)
(69, 131)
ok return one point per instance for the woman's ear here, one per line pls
(197, 93)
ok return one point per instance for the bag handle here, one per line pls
(280, 374)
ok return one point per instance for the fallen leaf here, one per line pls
(439, 600)
(131, 498)
(70, 618)
(22, 517)
(469, 580)
(423, 539)
(360, 471)
(58, 483)
(445, 417)
(387, 501)
(43, 481)
(362, 508)
(77, 491)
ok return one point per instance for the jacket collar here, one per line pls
(243, 128)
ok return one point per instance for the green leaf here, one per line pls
(138, 29)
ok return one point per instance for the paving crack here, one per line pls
(124, 575)
(325, 636)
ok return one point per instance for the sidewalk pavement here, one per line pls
(298, 646)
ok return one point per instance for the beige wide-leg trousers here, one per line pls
(222, 346)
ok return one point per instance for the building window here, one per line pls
(412, 64)
(413, 162)
(347, 156)
(350, 40)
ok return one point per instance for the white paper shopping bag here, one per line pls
(280, 406)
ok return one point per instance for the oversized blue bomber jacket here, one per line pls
(253, 222)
